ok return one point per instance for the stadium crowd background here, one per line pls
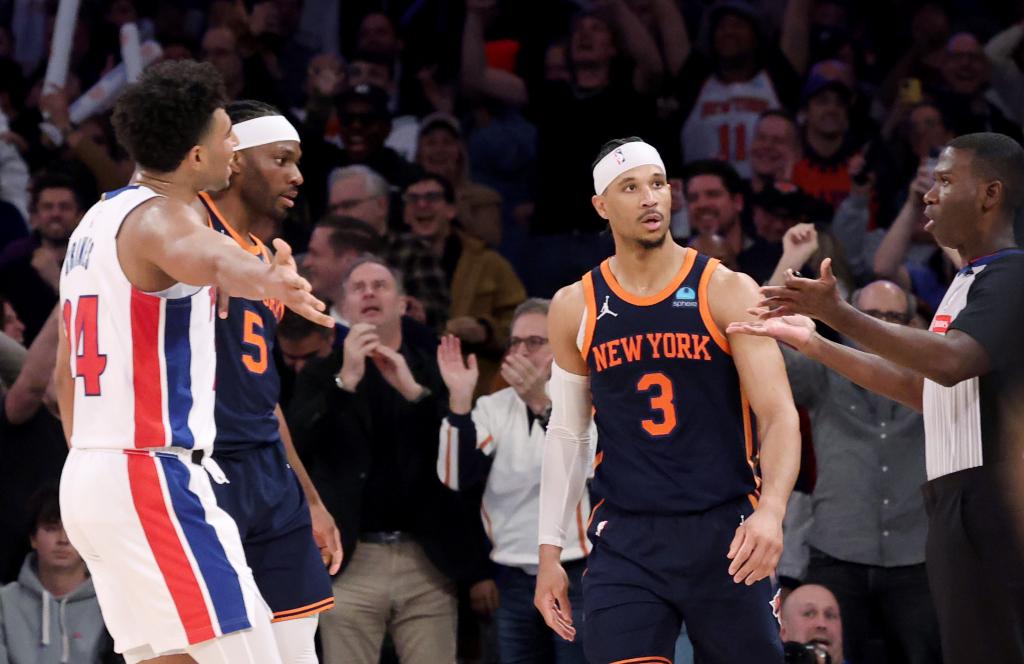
(454, 139)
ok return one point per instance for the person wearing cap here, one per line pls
(365, 124)
(724, 86)
(287, 533)
(827, 165)
(441, 150)
(378, 69)
(690, 522)
(777, 209)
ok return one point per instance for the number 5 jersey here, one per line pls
(675, 431)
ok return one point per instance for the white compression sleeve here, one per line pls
(566, 454)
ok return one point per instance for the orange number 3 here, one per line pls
(252, 328)
(662, 401)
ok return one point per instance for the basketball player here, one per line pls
(267, 499)
(685, 529)
(966, 373)
(135, 377)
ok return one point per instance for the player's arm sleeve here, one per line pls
(994, 315)
(567, 454)
(465, 449)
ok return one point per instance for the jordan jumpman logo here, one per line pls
(606, 310)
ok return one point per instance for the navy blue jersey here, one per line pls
(675, 431)
(248, 386)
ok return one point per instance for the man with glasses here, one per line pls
(361, 193)
(868, 523)
(499, 444)
(483, 285)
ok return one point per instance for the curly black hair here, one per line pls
(165, 114)
(248, 109)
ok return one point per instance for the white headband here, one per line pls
(260, 131)
(621, 159)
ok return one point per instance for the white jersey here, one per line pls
(143, 363)
(721, 124)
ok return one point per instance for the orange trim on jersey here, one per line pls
(590, 311)
(644, 660)
(484, 444)
(648, 300)
(705, 307)
(580, 530)
(753, 500)
(748, 441)
(253, 246)
(448, 460)
(304, 611)
(487, 522)
(593, 512)
(598, 458)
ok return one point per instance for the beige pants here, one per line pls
(390, 587)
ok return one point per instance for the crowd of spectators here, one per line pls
(447, 148)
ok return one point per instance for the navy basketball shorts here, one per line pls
(266, 500)
(647, 573)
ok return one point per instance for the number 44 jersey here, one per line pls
(143, 363)
(675, 431)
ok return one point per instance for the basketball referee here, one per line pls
(966, 373)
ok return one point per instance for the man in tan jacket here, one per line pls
(484, 288)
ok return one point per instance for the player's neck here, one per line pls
(170, 185)
(235, 211)
(644, 271)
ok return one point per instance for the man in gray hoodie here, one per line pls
(50, 614)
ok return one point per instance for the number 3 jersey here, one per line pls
(675, 431)
(143, 363)
(248, 385)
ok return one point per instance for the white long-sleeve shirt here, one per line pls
(499, 433)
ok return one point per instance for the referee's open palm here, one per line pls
(756, 548)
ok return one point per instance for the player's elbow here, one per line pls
(781, 421)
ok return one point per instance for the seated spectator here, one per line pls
(441, 150)
(378, 70)
(50, 614)
(365, 124)
(361, 193)
(334, 245)
(10, 324)
(30, 267)
(966, 73)
(365, 421)
(499, 443)
(484, 288)
(778, 208)
(810, 614)
(715, 203)
(774, 150)
(824, 171)
(298, 342)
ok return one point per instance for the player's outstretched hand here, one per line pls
(817, 298)
(292, 290)
(327, 537)
(794, 331)
(552, 599)
(756, 548)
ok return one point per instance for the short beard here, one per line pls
(655, 243)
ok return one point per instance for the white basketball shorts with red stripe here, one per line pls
(167, 563)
